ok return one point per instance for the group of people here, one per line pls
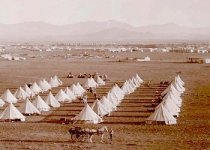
(85, 97)
(85, 75)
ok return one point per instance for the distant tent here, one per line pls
(113, 95)
(119, 94)
(1, 103)
(132, 83)
(90, 83)
(93, 81)
(53, 83)
(35, 88)
(110, 107)
(176, 99)
(112, 99)
(172, 89)
(170, 106)
(80, 88)
(161, 115)
(58, 80)
(178, 87)
(11, 113)
(127, 88)
(136, 82)
(99, 81)
(28, 90)
(70, 94)
(40, 104)
(99, 108)
(44, 85)
(138, 79)
(47, 84)
(88, 115)
(8, 97)
(118, 89)
(28, 108)
(52, 101)
(21, 94)
(179, 80)
(61, 96)
(77, 92)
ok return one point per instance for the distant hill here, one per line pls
(100, 31)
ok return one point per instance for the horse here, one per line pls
(76, 133)
(90, 133)
(101, 131)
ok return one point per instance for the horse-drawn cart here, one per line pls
(78, 134)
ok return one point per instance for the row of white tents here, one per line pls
(167, 111)
(91, 83)
(38, 105)
(28, 108)
(22, 93)
(108, 103)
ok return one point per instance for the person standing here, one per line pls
(85, 99)
(111, 132)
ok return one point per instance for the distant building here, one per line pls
(198, 60)
(202, 51)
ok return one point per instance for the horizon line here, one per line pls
(110, 20)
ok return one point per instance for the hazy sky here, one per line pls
(194, 13)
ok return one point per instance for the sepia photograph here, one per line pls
(104, 74)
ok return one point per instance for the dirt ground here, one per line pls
(191, 132)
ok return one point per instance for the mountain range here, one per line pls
(107, 31)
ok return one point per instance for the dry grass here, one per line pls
(191, 132)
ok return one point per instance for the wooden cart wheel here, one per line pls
(75, 137)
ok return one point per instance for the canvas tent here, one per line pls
(178, 87)
(40, 104)
(179, 80)
(58, 80)
(53, 82)
(99, 109)
(88, 115)
(90, 83)
(8, 97)
(112, 99)
(51, 100)
(28, 90)
(176, 99)
(127, 88)
(161, 115)
(44, 85)
(170, 106)
(117, 92)
(172, 89)
(70, 94)
(61, 96)
(99, 81)
(11, 113)
(1, 103)
(80, 88)
(35, 88)
(110, 107)
(28, 108)
(21, 94)
(138, 79)
(77, 92)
